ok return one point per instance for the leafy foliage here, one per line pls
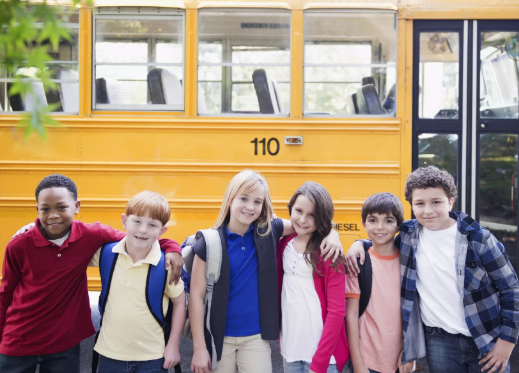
(28, 33)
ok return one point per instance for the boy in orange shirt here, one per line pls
(375, 338)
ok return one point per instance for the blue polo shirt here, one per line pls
(243, 318)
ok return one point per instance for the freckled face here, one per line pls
(142, 231)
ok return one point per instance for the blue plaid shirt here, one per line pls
(487, 283)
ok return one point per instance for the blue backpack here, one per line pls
(155, 287)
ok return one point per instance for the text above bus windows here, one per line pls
(350, 63)
(244, 62)
(139, 60)
(439, 75)
(499, 74)
(63, 69)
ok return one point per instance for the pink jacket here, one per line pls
(331, 290)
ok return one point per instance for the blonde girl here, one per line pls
(311, 290)
(245, 306)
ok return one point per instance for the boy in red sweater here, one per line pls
(44, 305)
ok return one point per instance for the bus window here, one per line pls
(64, 71)
(499, 75)
(349, 63)
(244, 62)
(139, 59)
(439, 75)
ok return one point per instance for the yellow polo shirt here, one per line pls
(129, 332)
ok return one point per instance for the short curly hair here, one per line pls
(57, 181)
(430, 177)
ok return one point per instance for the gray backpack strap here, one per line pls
(212, 274)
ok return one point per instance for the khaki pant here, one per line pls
(246, 355)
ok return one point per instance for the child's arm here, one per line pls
(505, 280)
(330, 246)
(171, 352)
(352, 331)
(11, 276)
(108, 234)
(335, 313)
(407, 367)
(201, 362)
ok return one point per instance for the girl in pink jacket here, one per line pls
(313, 336)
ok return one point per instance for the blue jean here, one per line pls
(61, 362)
(304, 367)
(350, 365)
(452, 353)
(107, 365)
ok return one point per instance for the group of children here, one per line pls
(443, 288)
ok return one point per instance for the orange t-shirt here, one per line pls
(380, 326)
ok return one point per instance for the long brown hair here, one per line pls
(323, 216)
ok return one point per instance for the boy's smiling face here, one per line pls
(431, 207)
(381, 228)
(56, 209)
(142, 231)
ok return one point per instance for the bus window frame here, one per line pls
(68, 26)
(222, 64)
(372, 65)
(132, 13)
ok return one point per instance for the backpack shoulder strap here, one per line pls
(213, 265)
(365, 283)
(107, 260)
(155, 288)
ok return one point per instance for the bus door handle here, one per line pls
(293, 140)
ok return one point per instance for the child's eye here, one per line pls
(152, 225)
(136, 221)
(244, 199)
(371, 220)
(258, 202)
(44, 210)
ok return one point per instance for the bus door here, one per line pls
(465, 116)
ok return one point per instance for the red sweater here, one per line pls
(44, 305)
(331, 291)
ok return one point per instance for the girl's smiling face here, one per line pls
(302, 216)
(246, 208)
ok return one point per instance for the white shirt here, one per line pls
(60, 241)
(441, 304)
(302, 321)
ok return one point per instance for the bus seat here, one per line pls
(165, 88)
(370, 80)
(101, 91)
(368, 102)
(389, 103)
(354, 103)
(267, 92)
(69, 91)
(37, 97)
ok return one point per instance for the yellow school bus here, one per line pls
(178, 96)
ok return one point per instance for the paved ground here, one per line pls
(186, 351)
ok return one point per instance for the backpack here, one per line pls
(365, 282)
(155, 287)
(213, 266)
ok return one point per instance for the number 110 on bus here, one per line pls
(271, 146)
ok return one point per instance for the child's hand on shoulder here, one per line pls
(497, 359)
(23, 229)
(171, 356)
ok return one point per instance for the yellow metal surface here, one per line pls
(112, 155)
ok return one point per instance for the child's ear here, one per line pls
(124, 219)
(364, 224)
(451, 203)
(163, 230)
(77, 205)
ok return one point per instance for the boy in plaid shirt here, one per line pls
(459, 292)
